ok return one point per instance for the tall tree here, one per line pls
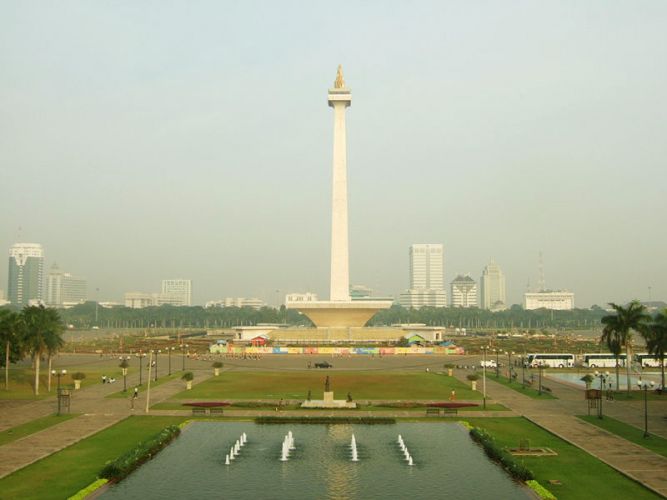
(43, 331)
(615, 346)
(622, 325)
(11, 329)
(656, 341)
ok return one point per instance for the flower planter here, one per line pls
(474, 385)
(77, 385)
(450, 372)
(216, 371)
(188, 385)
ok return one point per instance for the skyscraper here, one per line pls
(63, 289)
(177, 292)
(426, 277)
(464, 291)
(492, 288)
(26, 274)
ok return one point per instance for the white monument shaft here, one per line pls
(339, 100)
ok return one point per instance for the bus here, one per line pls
(603, 360)
(550, 360)
(646, 360)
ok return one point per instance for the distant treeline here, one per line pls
(90, 314)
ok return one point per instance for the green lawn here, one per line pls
(64, 473)
(31, 427)
(629, 432)
(295, 385)
(143, 387)
(528, 390)
(636, 395)
(582, 475)
(22, 380)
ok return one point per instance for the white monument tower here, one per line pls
(340, 98)
(339, 311)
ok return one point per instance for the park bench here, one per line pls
(217, 411)
(433, 411)
(450, 411)
(199, 411)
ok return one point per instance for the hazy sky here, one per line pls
(149, 140)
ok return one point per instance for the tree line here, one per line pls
(35, 331)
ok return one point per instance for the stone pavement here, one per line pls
(558, 417)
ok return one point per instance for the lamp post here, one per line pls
(124, 363)
(509, 365)
(645, 385)
(140, 357)
(58, 374)
(183, 348)
(539, 371)
(497, 351)
(156, 351)
(484, 349)
(523, 372)
(603, 379)
(169, 351)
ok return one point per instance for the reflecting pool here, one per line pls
(447, 464)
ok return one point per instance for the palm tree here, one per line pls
(11, 328)
(43, 334)
(656, 341)
(621, 325)
(614, 343)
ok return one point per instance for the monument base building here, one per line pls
(558, 301)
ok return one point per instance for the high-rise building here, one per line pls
(464, 291)
(64, 289)
(177, 292)
(26, 274)
(426, 277)
(492, 288)
(236, 302)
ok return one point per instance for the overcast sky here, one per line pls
(149, 140)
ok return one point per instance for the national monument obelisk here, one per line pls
(339, 311)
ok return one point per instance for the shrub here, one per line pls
(217, 364)
(124, 465)
(449, 365)
(472, 377)
(541, 491)
(78, 376)
(497, 454)
(188, 376)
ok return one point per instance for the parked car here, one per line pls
(323, 364)
(490, 363)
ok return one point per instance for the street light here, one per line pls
(58, 374)
(183, 348)
(156, 351)
(603, 379)
(539, 371)
(124, 363)
(484, 349)
(140, 357)
(169, 351)
(645, 385)
(497, 351)
(523, 371)
(509, 365)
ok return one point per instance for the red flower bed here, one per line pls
(208, 404)
(451, 405)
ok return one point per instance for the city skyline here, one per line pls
(181, 137)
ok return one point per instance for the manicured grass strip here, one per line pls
(582, 475)
(64, 473)
(33, 426)
(361, 385)
(528, 390)
(142, 388)
(654, 443)
(21, 382)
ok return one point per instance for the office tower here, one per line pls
(426, 277)
(492, 288)
(464, 291)
(26, 274)
(64, 289)
(177, 292)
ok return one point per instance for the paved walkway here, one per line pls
(558, 417)
(98, 413)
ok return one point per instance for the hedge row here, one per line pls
(81, 494)
(497, 454)
(124, 465)
(541, 491)
(325, 420)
